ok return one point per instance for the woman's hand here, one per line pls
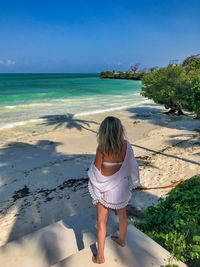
(98, 159)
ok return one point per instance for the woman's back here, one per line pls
(107, 169)
(111, 148)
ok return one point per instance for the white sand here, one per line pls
(48, 165)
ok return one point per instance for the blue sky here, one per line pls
(92, 36)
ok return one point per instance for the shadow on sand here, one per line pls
(69, 121)
(157, 116)
(21, 194)
(168, 155)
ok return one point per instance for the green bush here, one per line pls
(122, 75)
(175, 222)
(191, 99)
(191, 59)
(176, 87)
(165, 86)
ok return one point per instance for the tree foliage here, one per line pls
(132, 73)
(191, 97)
(191, 59)
(152, 69)
(135, 67)
(176, 87)
(122, 75)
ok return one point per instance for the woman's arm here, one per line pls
(98, 159)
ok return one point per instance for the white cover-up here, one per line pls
(114, 191)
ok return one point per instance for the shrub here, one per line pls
(176, 87)
(191, 59)
(191, 99)
(175, 222)
(165, 86)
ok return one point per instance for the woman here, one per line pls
(112, 176)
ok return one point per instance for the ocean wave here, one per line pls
(10, 107)
(31, 105)
(110, 109)
(19, 123)
(97, 111)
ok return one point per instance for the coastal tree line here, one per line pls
(132, 73)
(177, 87)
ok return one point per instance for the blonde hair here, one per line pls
(110, 136)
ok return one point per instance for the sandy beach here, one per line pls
(43, 166)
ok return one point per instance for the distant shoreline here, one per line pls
(122, 78)
(136, 76)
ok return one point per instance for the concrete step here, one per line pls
(51, 243)
(140, 251)
(55, 242)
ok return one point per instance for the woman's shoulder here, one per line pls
(124, 149)
(126, 143)
(98, 158)
(98, 150)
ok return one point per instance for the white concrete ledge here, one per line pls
(140, 251)
(50, 244)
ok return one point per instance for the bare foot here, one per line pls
(95, 259)
(118, 241)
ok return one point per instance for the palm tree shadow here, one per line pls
(69, 121)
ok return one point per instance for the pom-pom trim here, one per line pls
(106, 204)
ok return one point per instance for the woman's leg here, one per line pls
(123, 223)
(101, 229)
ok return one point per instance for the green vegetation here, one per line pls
(171, 265)
(177, 87)
(132, 73)
(175, 222)
(122, 75)
(191, 59)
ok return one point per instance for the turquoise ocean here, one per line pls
(28, 97)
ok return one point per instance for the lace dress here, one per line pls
(115, 191)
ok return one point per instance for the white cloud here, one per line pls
(10, 62)
(7, 62)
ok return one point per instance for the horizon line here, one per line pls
(50, 72)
